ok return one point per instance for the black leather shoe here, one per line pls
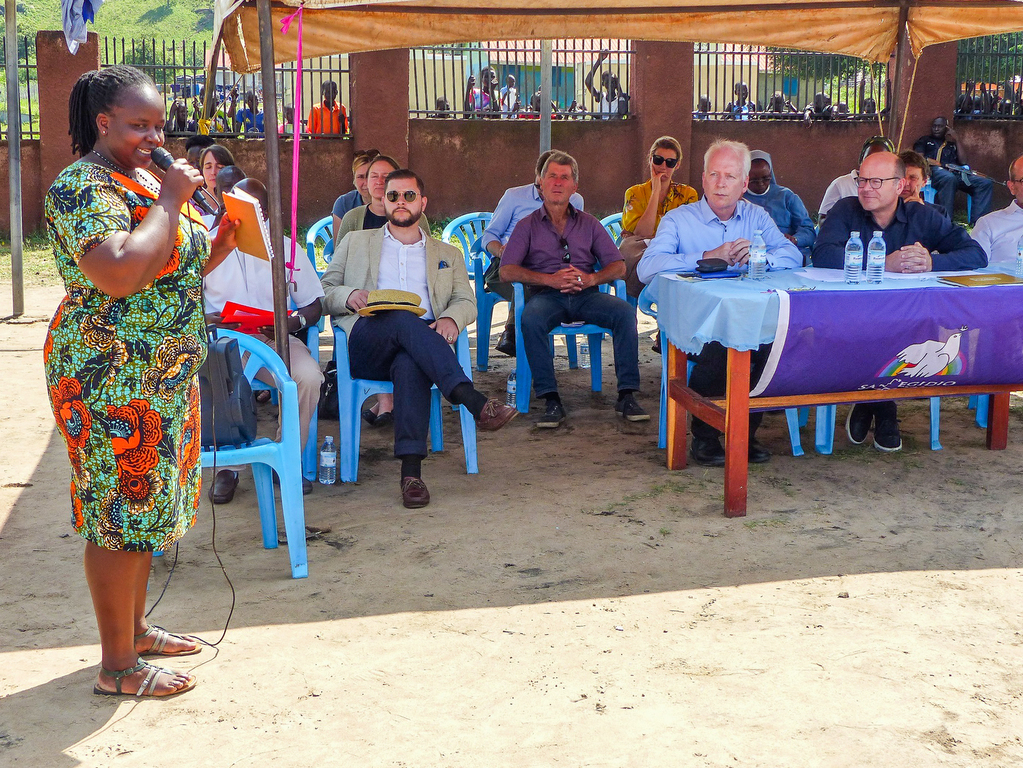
(224, 485)
(758, 454)
(707, 451)
(506, 343)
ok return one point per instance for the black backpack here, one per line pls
(228, 407)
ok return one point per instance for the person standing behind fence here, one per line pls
(485, 100)
(122, 355)
(330, 115)
(611, 100)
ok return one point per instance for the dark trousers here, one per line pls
(548, 309)
(398, 347)
(709, 376)
(946, 183)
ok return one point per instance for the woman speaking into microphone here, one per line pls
(121, 358)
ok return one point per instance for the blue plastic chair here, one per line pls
(352, 393)
(320, 232)
(595, 334)
(826, 415)
(613, 225)
(267, 456)
(468, 230)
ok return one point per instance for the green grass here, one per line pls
(189, 20)
(38, 265)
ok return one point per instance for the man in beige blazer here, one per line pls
(396, 345)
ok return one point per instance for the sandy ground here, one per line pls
(575, 604)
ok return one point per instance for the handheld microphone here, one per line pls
(163, 159)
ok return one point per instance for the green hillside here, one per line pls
(190, 20)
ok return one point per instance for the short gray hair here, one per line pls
(557, 157)
(740, 150)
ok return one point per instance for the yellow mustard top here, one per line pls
(638, 197)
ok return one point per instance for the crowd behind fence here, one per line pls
(591, 80)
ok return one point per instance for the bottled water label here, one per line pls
(327, 473)
(854, 259)
(758, 257)
(584, 355)
(876, 253)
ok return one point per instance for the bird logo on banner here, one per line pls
(928, 358)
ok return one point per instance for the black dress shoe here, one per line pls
(224, 485)
(506, 342)
(758, 454)
(707, 451)
(414, 493)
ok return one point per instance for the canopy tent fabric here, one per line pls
(867, 29)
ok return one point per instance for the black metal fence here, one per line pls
(179, 71)
(741, 82)
(989, 78)
(27, 87)
(501, 80)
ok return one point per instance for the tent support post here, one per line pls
(14, 157)
(546, 84)
(273, 179)
(900, 97)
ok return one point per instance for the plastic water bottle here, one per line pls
(510, 399)
(876, 253)
(758, 257)
(854, 258)
(1019, 258)
(328, 462)
(584, 353)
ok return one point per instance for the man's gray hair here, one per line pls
(740, 150)
(558, 157)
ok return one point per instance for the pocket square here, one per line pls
(443, 265)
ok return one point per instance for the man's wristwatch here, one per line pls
(302, 322)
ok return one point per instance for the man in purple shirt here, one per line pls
(557, 252)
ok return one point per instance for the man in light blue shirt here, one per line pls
(720, 226)
(515, 205)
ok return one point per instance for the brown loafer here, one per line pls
(495, 415)
(224, 484)
(414, 493)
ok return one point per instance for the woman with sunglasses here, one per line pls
(646, 203)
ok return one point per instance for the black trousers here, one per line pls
(397, 346)
(709, 377)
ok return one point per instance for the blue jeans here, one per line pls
(549, 308)
(946, 183)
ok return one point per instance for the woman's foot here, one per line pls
(143, 679)
(157, 641)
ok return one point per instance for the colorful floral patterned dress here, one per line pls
(122, 372)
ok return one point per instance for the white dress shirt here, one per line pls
(843, 186)
(403, 268)
(999, 232)
(244, 279)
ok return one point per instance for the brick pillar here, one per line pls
(380, 82)
(933, 94)
(58, 71)
(662, 91)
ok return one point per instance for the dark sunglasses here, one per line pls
(410, 196)
(671, 162)
(566, 257)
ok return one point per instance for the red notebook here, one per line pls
(250, 319)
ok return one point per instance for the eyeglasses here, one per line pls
(875, 183)
(671, 162)
(566, 257)
(1016, 181)
(409, 195)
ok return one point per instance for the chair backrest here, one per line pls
(321, 231)
(465, 230)
(927, 192)
(646, 303)
(613, 225)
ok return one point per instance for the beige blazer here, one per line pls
(355, 220)
(356, 263)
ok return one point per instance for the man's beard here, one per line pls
(408, 221)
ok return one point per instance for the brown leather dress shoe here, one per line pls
(495, 415)
(224, 485)
(414, 493)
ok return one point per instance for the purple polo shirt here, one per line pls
(536, 245)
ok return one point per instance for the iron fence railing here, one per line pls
(179, 71)
(28, 88)
(989, 78)
(741, 82)
(501, 80)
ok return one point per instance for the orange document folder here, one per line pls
(253, 234)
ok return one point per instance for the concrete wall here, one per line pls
(31, 194)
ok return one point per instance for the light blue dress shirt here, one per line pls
(687, 232)
(515, 205)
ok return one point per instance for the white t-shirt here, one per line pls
(843, 186)
(244, 279)
(999, 233)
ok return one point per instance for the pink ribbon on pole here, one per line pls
(296, 137)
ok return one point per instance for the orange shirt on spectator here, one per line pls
(324, 119)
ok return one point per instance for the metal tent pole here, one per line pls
(14, 156)
(546, 64)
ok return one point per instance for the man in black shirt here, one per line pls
(918, 239)
(942, 148)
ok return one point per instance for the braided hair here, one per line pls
(98, 91)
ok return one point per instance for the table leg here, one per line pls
(676, 453)
(998, 421)
(737, 433)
